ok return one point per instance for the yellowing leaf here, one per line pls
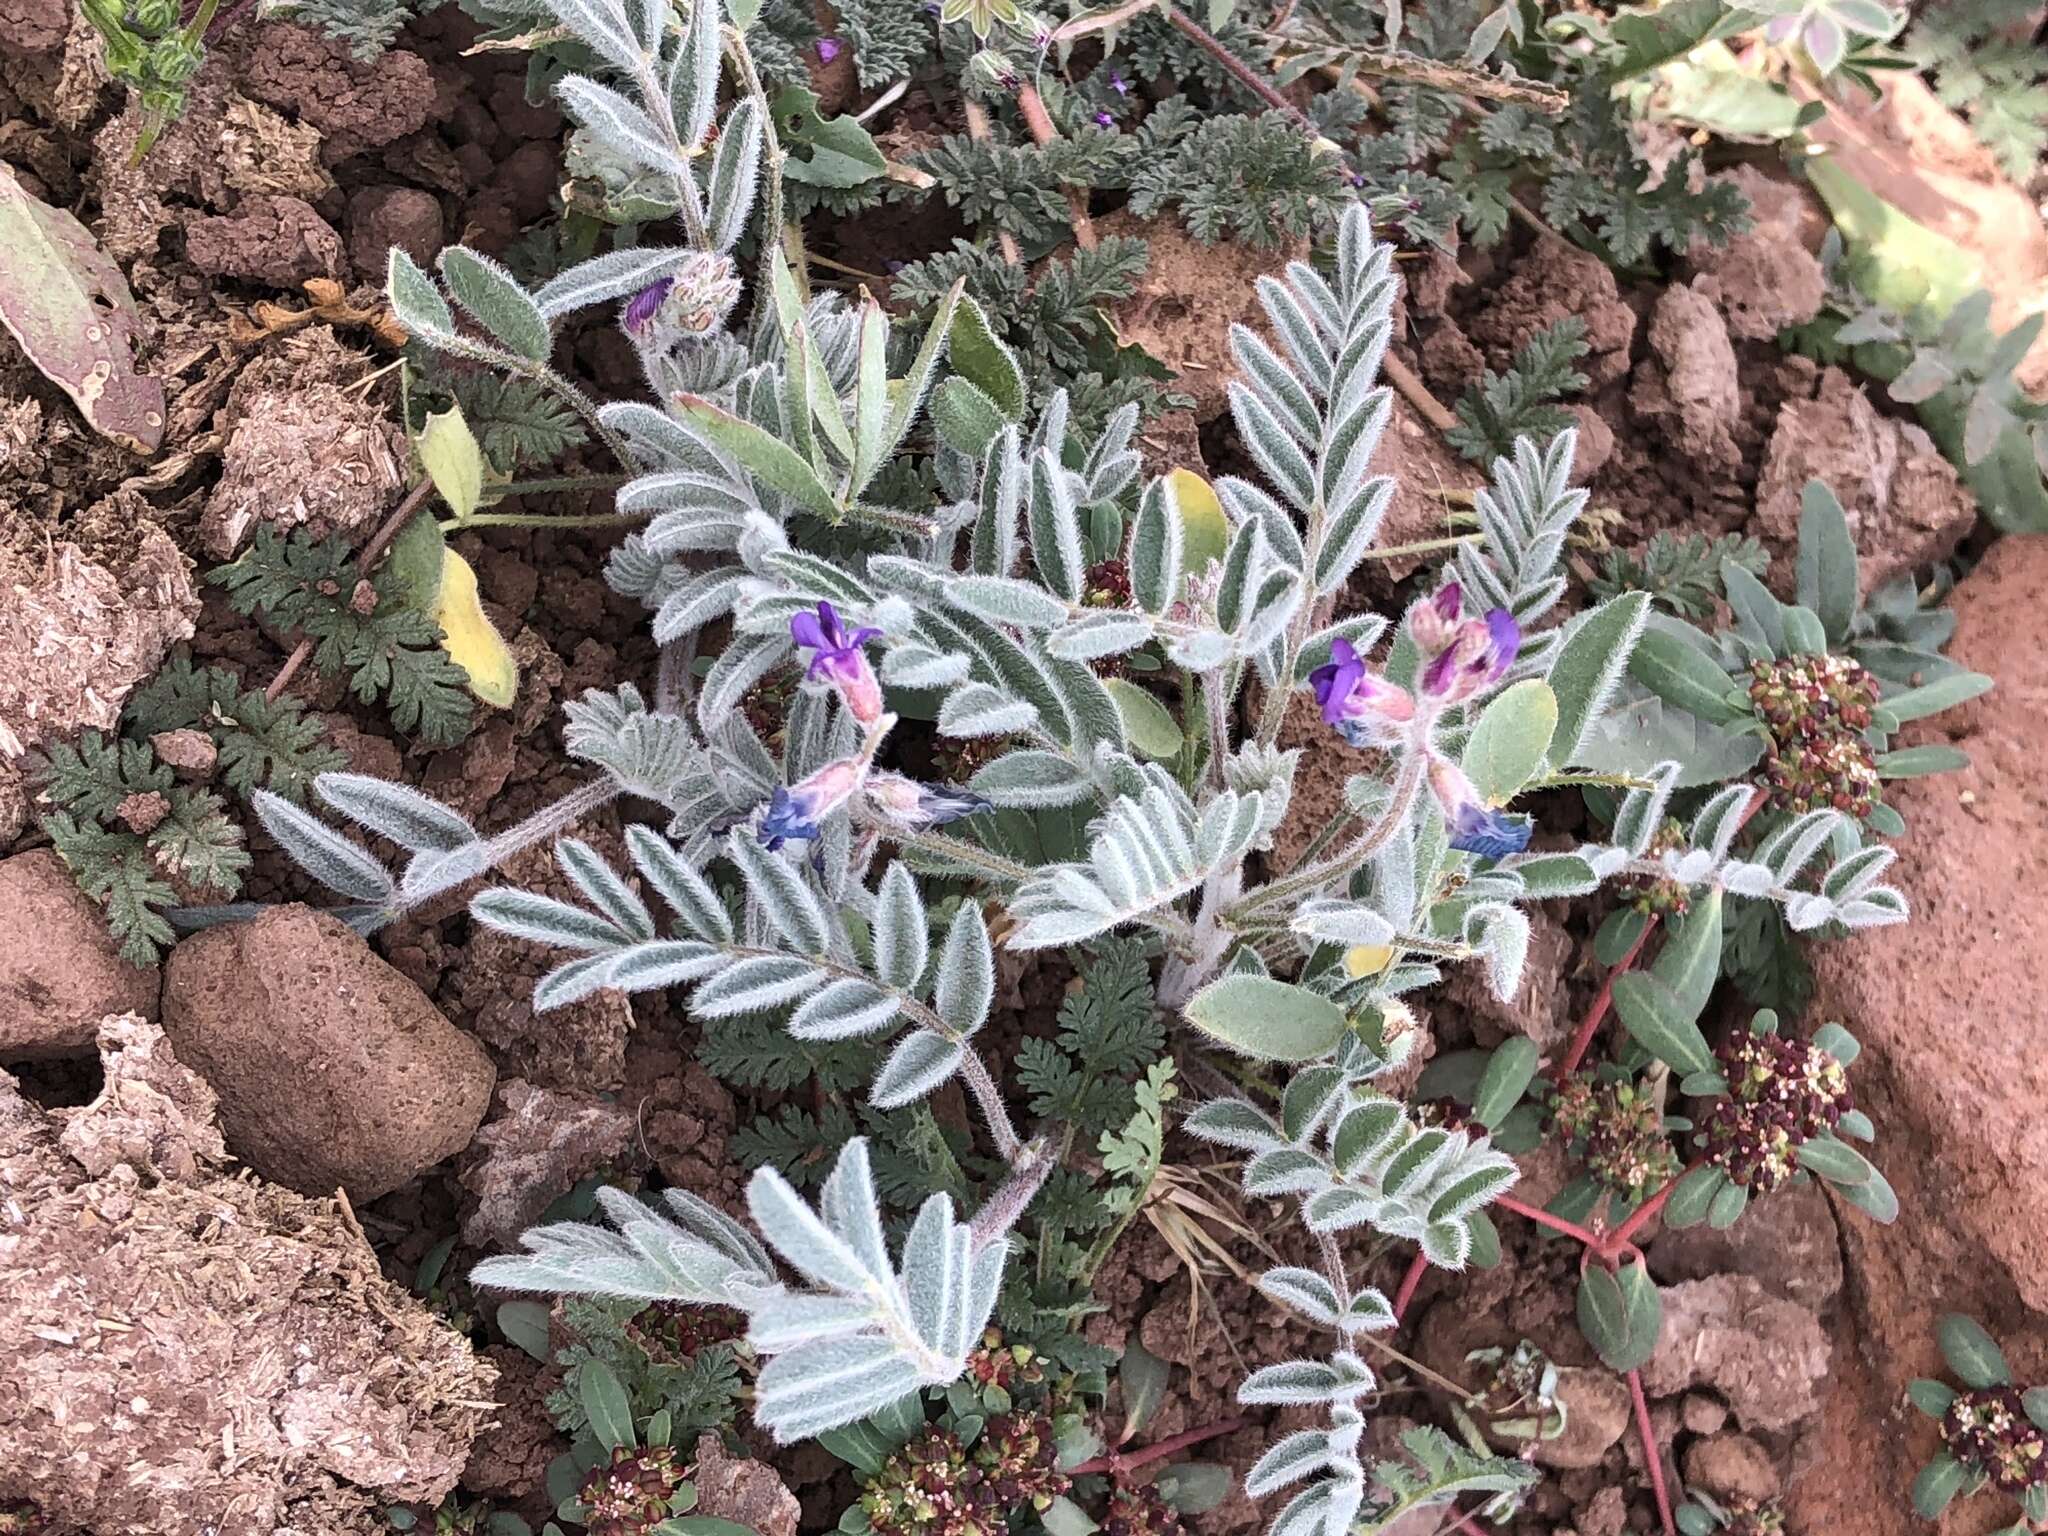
(453, 461)
(1205, 532)
(469, 638)
(1362, 960)
(1894, 259)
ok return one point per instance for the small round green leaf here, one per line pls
(1149, 724)
(1620, 1314)
(1938, 1483)
(1971, 1352)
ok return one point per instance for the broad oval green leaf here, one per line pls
(1971, 1352)
(1620, 1314)
(1266, 1019)
(1658, 1021)
(1149, 724)
(1510, 740)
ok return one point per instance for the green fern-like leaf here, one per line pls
(264, 743)
(1682, 573)
(517, 422)
(1522, 402)
(92, 778)
(115, 869)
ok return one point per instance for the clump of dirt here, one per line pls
(537, 1144)
(233, 1342)
(270, 238)
(333, 1069)
(60, 973)
(312, 449)
(82, 626)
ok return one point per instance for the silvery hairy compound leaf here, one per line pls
(863, 1331)
(1526, 515)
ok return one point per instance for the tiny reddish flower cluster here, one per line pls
(1817, 709)
(1988, 1431)
(1009, 1366)
(1618, 1131)
(1140, 1511)
(671, 1331)
(1108, 585)
(937, 1486)
(1781, 1094)
(1653, 895)
(630, 1494)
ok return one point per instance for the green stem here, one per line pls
(542, 520)
(776, 231)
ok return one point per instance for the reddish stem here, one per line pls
(1601, 1004)
(1032, 107)
(1409, 1282)
(1618, 1239)
(1238, 70)
(1543, 1218)
(1652, 1457)
(1116, 1463)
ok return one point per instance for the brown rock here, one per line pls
(79, 632)
(510, 1458)
(1732, 1467)
(1905, 503)
(1766, 1357)
(539, 1144)
(1702, 1414)
(1951, 1072)
(60, 972)
(332, 1068)
(1767, 278)
(1786, 1240)
(742, 1490)
(1688, 384)
(154, 1310)
(1597, 1409)
(33, 26)
(382, 217)
(13, 804)
(191, 752)
(275, 240)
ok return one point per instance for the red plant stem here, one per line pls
(1238, 70)
(1652, 1457)
(1618, 1239)
(1116, 1463)
(1039, 121)
(1543, 1218)
(1601, 1004)
(1409, 1282)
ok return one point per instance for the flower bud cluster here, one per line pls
(672, 1331)
(630, 1494)
(1619, 1132)
(938, 1486)
(1817, 709)
(1009, 1366)
(1988, 1431)
(1781, 1094)
(1659, 895)
(1140, 1511)
(1108, 585)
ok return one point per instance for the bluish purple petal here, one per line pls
(1504, 641)
(829, 625)
(641, 308)
(786, 819)
(1449, 601)
(1488, 834)
(805, 631)
(1437, 676)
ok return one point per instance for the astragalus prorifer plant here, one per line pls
(872, 516)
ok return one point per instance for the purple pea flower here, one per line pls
(1360, 707)
(840, 661)
(1474, 826)
(828, 49)
(644, 305)
(1105, 120)
(1119, 84)
(914, 806)
(795, 810)
(1478, 656)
